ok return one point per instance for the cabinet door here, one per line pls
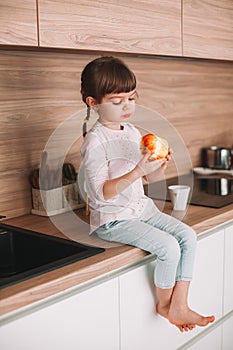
(88, 320)
(142, 328)
(212, 341)
(228, 272)
(207, 29)
(206, 291)
(18, 22)
(139, 26)
(227, 334)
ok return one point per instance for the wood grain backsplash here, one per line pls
(40, 91)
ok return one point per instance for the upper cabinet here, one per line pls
(190, 28)
(136, 26)
(208, 29)
(18, 22)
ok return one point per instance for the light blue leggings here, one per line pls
(172, 241)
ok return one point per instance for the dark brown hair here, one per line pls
(106, 75)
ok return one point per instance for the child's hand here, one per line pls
(145, 167)
(166, 159)
(169, 155)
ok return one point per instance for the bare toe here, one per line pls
(180, 327)
(191, 326)
(186, 327)
(211, 319)
(205, 320)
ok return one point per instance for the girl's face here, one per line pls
(116, 108)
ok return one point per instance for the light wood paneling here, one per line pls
(139, 26)
(39, 91)
(195, 96)
(208, 29)
(18, 22)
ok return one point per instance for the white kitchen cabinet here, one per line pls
(228, 272)
(227, 334)
(120, 313)
(85, 321)
(206, 290)
(212, 341)
(141, 328)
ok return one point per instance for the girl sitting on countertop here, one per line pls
(120, 211)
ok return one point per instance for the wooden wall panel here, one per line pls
(18, 22)
(39, 92)
(208, 29)
(139, 26)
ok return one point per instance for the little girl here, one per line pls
(120, 211)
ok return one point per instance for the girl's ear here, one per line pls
(91, 102)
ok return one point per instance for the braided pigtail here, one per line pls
(86, 121)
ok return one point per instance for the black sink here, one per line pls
(25, 254)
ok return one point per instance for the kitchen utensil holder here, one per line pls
(56, 201)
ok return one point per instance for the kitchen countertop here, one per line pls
(35, 289)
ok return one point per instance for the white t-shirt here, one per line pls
(108, 154)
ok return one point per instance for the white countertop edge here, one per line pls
(213, 230)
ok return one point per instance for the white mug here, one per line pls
(179, 196)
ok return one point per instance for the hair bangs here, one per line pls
(118, 78)
(106, 75)
(122, 80)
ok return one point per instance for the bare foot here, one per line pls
(187, 317)
(164, 311)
